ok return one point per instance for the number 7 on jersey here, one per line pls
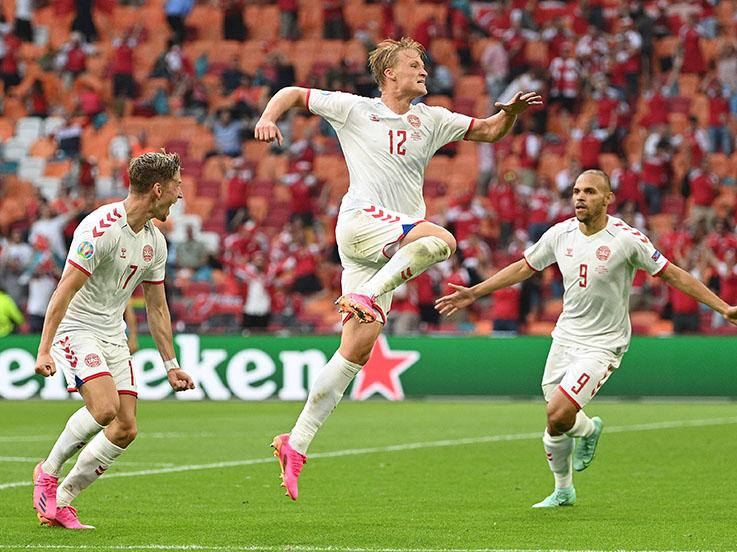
(133, 269)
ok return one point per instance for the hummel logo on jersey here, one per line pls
(569, 252)
(100, 470)
(122, 252)
(374, 117)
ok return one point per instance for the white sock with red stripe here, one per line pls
(559, 450)
(583, 426)
(80, 427)
(325, 394)
(91, 464)
(407, 263)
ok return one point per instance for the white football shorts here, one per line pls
(83, 357)
(579, 372)
(367, 238)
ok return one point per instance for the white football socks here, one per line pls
(80, 427)
(324, 396)
(583, 426)
(407, 263)
(559, 450)
(91, 464)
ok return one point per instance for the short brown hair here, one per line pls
(385, 55)
(152, 167)
(602, 175)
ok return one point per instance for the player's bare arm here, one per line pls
(287, 98)
(683, 281)
(130, 321)
(463, 296)
(497, 126)
(71, 282)
(159, 321)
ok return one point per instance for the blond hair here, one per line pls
(152, 167)
(384, 55)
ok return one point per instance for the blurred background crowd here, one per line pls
(645, 90)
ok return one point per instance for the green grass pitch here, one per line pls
(412, 476)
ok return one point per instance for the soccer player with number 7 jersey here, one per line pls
(382, 236)
(115, 248)
(598, 256)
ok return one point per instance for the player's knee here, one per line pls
(450, 241)
(105, 413)
(129, 433)
(560, 420)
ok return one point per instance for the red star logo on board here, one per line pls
(381, 372)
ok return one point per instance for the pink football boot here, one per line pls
(65, 517)
(291, 463)
(359, 305)
(44, 492)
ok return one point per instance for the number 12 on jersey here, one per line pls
(401, 138)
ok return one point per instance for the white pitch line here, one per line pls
(282, 548)
(404, 446)
(35, 460)
(148, 435)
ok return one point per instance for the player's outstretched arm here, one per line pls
(683, 281)
(287, 98)
(71, 282)
(159, 320)
(463, 296)
(497, 126)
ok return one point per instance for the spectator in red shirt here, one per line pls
(334, 25)
(37, 103)
(565, 73)
(504, 200)
(704, 186)
(505, 309)
(627, 187)
(121, 67)
(719, 136)
(721, 239)
(656, 170)
(690, 36)
(236, 199)
(9, 47)
(288, 19)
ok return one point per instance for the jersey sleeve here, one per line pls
(644, 255)
(89, 248)
(157, 271)
(542, 254)
(449, 126)
(331, 106)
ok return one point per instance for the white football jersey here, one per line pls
(597, 276)
(386, 153)
(116, 261)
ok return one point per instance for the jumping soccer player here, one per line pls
(382, 237)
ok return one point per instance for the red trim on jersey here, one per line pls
(660, 272)
(307, 99)
(75, 265)
(470, 127)
(528, 264)
(578, 406)
(155, 282)
(88, 378)
(95, 376)
(130, 367)
(131, 393)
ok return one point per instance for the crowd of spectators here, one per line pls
(646, 90)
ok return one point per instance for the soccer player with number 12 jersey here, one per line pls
(382, 236)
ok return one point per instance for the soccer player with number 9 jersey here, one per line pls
(598, 256)
(382, 236)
